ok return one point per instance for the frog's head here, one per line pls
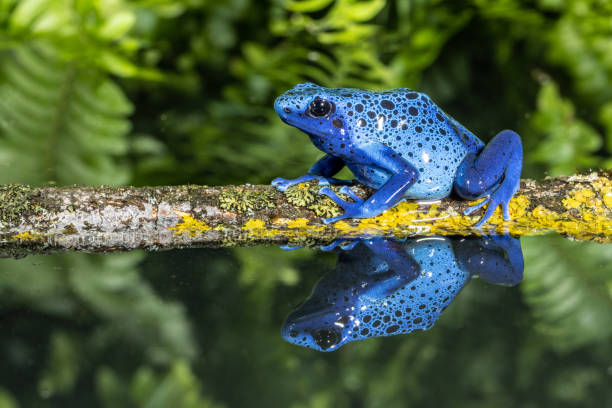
(364, 297)
(321, 330)
(315, 110)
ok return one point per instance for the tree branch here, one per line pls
(103, 219)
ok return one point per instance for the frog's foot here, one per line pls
(345, 245)
(351, 209)
(501, 196)
(494, 173)
(282, 184)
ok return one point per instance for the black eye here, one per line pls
(319, 108)
(326, 338)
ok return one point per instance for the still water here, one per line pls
(430, 321)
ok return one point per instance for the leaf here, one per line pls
(357, 11)
(307, 6)
(27, 11)
(117, 25)
(62, 123)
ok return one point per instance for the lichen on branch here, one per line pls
(103, 219)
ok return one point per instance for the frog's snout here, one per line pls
(281, 106)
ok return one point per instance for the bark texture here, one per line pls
(105, 219)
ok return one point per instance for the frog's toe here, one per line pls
(475, 207)
(281, 184)
(331, 246)
(334, 219)
(506, 210)
(490, 210)
(337, 243)
(347, 190)
(327, 191)
(289, 247)
(350, 245)
(335, 198)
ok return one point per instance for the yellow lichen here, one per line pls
(299, 223)
(580, 197)
(518, 206)
(604, 186)
(29, 236)
(254, 225)
(191, 226)
(589, 219)
(541, 212)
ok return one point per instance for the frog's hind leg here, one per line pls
(494, 173)
(496, 259)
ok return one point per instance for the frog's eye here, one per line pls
(319, 108)
(327, 338)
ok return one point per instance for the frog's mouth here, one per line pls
(289, 117)
(299, 125)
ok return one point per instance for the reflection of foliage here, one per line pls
(573, 306)
(177, 388)
(6, 400)
(194, 82)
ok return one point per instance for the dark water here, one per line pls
(208, 328)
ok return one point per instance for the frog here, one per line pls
(385, 287)
(401, 144)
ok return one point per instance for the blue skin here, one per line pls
(384, 287)
(401, 144)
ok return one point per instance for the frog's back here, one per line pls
(418, 304)
(418, 130)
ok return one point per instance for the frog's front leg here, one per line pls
(494, 173)
(322, 170)
(403, 176)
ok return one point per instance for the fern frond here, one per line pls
(565, 285)
(60, 121)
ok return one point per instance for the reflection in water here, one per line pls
(385, 287)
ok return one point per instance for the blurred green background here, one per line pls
(155, 92)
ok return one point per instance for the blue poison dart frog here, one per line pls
(384, 287)
(403, 145)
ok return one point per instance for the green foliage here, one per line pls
(580, 42)
(567, 142)
(59, 121)
(96, 33)
(6, 400)
(567, 288)
(177, 388)
(62, 368)
(111, 291)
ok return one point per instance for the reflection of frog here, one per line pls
(400, 143)
(383, 287)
